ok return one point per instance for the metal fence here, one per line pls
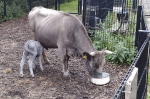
(110, 21)
(10, 9)
(141, 60)
(70, 6)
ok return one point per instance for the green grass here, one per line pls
(148, 95)
(70, 7)
(148, 89)
(149, 79)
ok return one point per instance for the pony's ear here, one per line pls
(104, 51)
(86, 55)
(105, 48)
(108, 52)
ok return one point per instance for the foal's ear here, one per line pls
(86, 55)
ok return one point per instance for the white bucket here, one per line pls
(104, 79)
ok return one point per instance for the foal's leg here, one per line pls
(22, 63)
(40, 58)
(31, 63)
(33, 66)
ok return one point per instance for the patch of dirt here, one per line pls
(49, 84)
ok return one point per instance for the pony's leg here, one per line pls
(45, 57)
(65, 66)
(64, 58)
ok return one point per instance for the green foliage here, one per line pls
(18, 8)
(64, 1)
(122, 54)
(69, 6)
(148, 95)
(148, 79)
(14, 9)
(121, 45)
(23, 4)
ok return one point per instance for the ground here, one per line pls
(49, 84)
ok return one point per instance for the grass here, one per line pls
(148, 89)
(70, 7)
(148, 95)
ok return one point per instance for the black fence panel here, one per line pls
(141, 60)
(10, 9)
(45, 3)
(142, 65)
(110, 5)
(118, 3)
(102, 20)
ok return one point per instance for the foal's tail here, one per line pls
(31, 48)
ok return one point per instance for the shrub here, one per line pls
(121, 45)
(122, 54)
(14, 9)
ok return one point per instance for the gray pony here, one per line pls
(34, 49)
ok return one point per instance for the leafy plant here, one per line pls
(122, 44)
(122, 54)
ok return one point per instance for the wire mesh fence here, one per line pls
(10, 9)
(141, 61)
(109, 22)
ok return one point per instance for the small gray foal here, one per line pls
(34, 49)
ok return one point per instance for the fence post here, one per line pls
(84, 12)
(134, 5)
(5, 14)
(30, 4)
(56, 4)
(138, 21)
(47, 3)
(79, 6)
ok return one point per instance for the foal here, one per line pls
(34, 49)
